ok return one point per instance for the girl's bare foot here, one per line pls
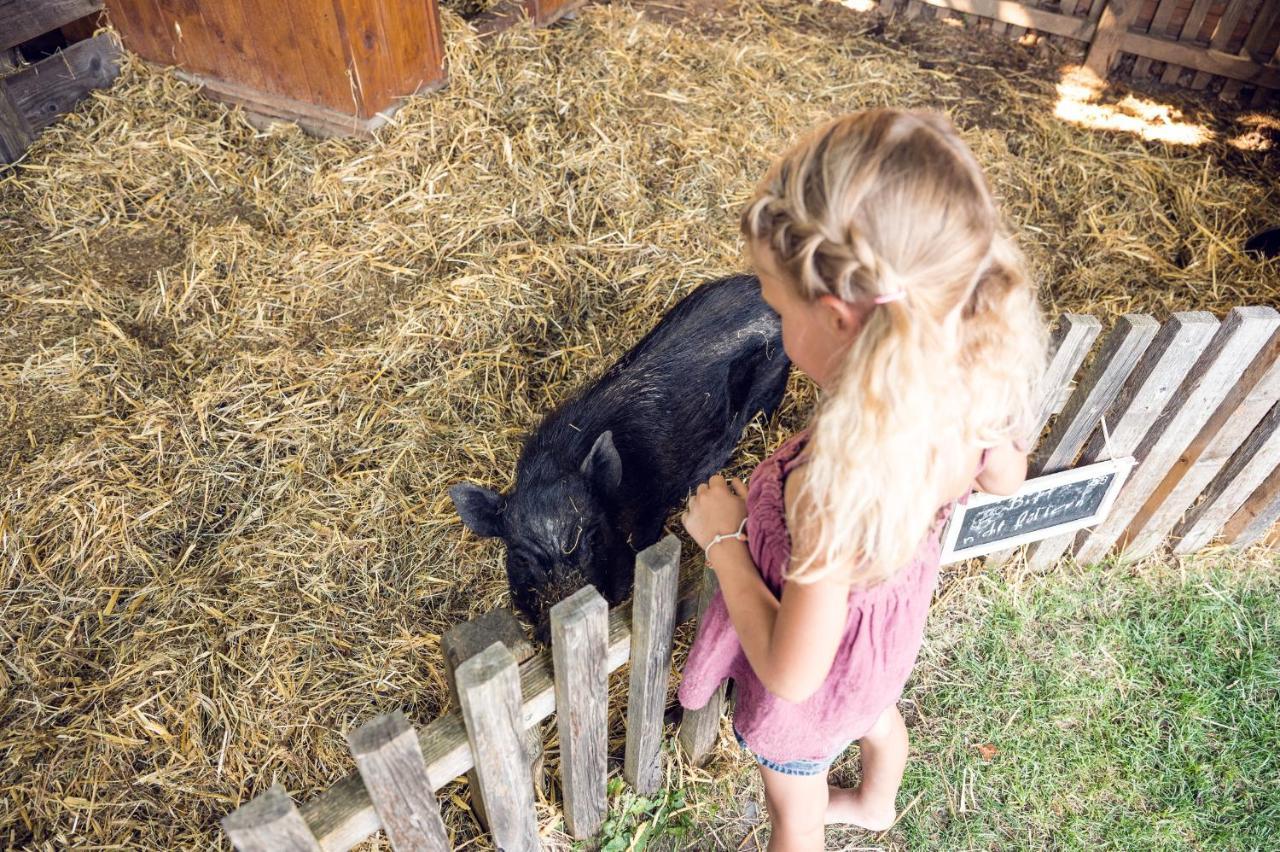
(845, 805)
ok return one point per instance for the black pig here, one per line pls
(598, 477)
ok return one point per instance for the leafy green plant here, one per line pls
(635, 821)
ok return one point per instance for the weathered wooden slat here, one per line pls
(1206, 61)
(1149, 387)
(653, 622)
(1261, 30)
(1009, 12)
(1238, 340)
(52, 87)
(1190, 29)
(1246, 403)
(489, 690)
(1113, 26)
(1256, 458)
(15, 134)
(395, 775)
(1221, 35)
(21, 20)
(1069, 344)
(269, 823)
(700, 728)
(1257, 516)
(579, 647)
(1159, 27)
(1097, 389)
(462, 642)
(344, 815)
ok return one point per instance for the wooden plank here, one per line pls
(1238, 340)
(1188, 33)
(269, 823)
(579, 648)
(344, 815)
(1116, 359)
(1221, 35)
(1246, 403)
(1159, 27)
(188, 34)
(544, 12)
(364, 40)
(395, 775)
(462, 642)
(1113, 26)
(1248, 468)
(653, 622)
(1207, 61)
(1150, 385)
(16, 134)
(1009, 12)
(25, 19)
(1257, 516)
(1261, 30)
(417, 51)
(489, 691)
(700, 728)
(1069, 343)
(52, 87)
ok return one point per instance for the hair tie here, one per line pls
(890, 297)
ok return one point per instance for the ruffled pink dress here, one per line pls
(881, 639)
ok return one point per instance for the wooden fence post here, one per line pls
(391, 764)
(1257, 457)
(1069, 344)
(269, 823)
(653, 613)
(700, 728)
(1117, 17)
(1258, 514)
(1096, 390)
(1238, 339)
(1246, 403)
(489, 691)
(1152, 382)
(462, 642)
(579, 647)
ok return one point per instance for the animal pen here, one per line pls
(1193, 400)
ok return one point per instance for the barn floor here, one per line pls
(239, 369)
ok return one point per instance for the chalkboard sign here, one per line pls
(1044, 507)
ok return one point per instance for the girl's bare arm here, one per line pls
(1006, 470)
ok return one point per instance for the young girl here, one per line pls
(877, 241)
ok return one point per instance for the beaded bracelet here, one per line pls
(740, 535)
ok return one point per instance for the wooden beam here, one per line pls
(21, 20)
(344, 815)
(52, 87)
(1221, 35)
(15, 134)
(1008, 12)
(1258, 514)
(1113, 28)
(1190, 30)
(1159, 27)
(1205, 60)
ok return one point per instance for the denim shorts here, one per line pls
(791, 767)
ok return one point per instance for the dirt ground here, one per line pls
(238, 369)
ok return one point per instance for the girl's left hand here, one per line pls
(717, 507)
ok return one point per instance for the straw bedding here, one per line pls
(239, 369)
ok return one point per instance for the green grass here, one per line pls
(1127, 709)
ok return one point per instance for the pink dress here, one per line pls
(881, 639)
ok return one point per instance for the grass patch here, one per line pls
(1100, 708)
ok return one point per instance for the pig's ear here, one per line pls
(479, 508)
(602, 465)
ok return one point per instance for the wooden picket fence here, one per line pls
(1177, 42)
(1194, 400)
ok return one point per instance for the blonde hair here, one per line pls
(869, 205)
